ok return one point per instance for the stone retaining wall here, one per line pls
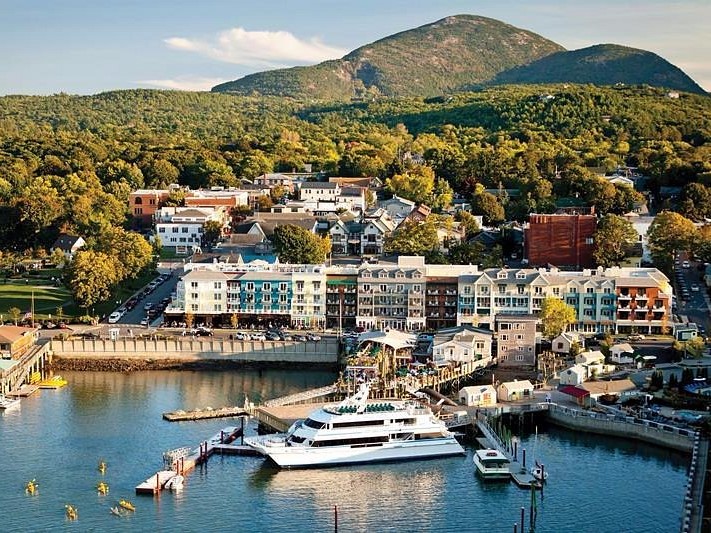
(628, 427)
(198, 349)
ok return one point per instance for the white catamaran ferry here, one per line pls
(358, 431)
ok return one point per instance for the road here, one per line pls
(696, 305)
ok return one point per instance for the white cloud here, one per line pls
(185, 83)
(258, 48)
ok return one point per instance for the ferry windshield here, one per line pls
(314, 424)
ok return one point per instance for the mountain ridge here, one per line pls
(457, 53)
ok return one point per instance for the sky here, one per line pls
(91, 46)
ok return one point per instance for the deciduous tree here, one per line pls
(91, 277)
(555, 316)
(612, 238)
(669, 233)
(294, 244)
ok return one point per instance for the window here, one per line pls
(266, 286)
(538, 290)
(161, 230)
(607, 290)
(366, 288)
(589, 301)
(519, 357)
(521, 288)
(266, 298)
(502, 274)
(573, 290)
(174, 229)
(504, 337)
(185, 229)
(502, 289)
(589, 290)
(519, 337)
(249, 286)
(139, 201)
(299, 286)
(398, 288)
(415, 288)
(589, 312)
(282, 298)
(383, 287)
(194, 295)
(317, 285)
(218, 285)
(217, 296)
(194, 307)
(520, 275)
(467, 289)
(218, 307)
(194, 284)
(589, 240)
(504, 325)
(283, 287)
(556, 291)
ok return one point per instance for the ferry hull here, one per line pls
(309, 457)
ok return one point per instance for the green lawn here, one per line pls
(47, 298)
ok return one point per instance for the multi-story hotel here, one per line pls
(411, 295)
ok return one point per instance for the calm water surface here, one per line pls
(58, 437)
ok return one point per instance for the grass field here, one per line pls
(47, 297)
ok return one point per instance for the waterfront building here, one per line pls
(516, 340)
(392, 296)
(410, 295)
(341, 297)
(512, 391)
(478, 396)
(462, 344)
(16, 340)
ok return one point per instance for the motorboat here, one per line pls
(127, 505)
(116, 511)
(358, 431)
(492, 464)
(102, 488)
(539, 472)
(8, 403)
(175, 483)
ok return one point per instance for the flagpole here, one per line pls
(32, 310)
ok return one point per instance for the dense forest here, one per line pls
(68, 163)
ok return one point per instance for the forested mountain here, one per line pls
(460, 53)
(68, 163)
(603, 64)
(430, 60)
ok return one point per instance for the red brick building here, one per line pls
(562, 239)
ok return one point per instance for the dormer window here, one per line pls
(502, 274)
(520, 275)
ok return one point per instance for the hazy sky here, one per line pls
(89, 46)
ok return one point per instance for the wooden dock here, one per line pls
(24, 391)
(204, 414)
(189, 458)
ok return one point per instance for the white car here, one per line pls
(144, 322)
(114, 317)
(694, 287)
(686, 264)
(258, 337)
(313, 337)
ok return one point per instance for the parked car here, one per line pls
(114, 317)
(686, 264)
(313, 337)
(239, 336)
(273, 336)
(635, 337)
(300, 338)
(258, 337)
(694, 287)
(203, 332)
(144, 321)
(148, 306)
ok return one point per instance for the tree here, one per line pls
(555, 316)
(413, 238)
(669, 233)
(91, 277)
(486, 205)
(130, 250)
(234, 320)
(212, 232)
(470, 224)
(416, 184)
(189, 319)
(695, 201)
(297, 245)
(613, 236)
(695, 347)
(14, 314)
(673, 381)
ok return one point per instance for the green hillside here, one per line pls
(603, 64)
(430, 60)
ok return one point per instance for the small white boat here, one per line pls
(116, 511)
(8, 403)
(492, 464)
(539, 472)
(175, 483)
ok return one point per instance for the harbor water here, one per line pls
(58, 437)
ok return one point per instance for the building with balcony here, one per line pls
(181, 228)
(441, 302)
(464, 344)
(341, 297)
(392, 295)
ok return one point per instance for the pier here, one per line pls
(204, 414)
(183, 460)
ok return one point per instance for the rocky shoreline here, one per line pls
(136, 365)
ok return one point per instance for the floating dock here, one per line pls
(204, 414)
(519, 473)
(183, 460)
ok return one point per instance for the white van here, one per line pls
(114, 317)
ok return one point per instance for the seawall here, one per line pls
(147, 353)
(628, 427)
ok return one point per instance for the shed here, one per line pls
(579, 394)
(511, 391)
(594, 357)
(478, 395)
(574, 375)
(618, 353)
(563, 342)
